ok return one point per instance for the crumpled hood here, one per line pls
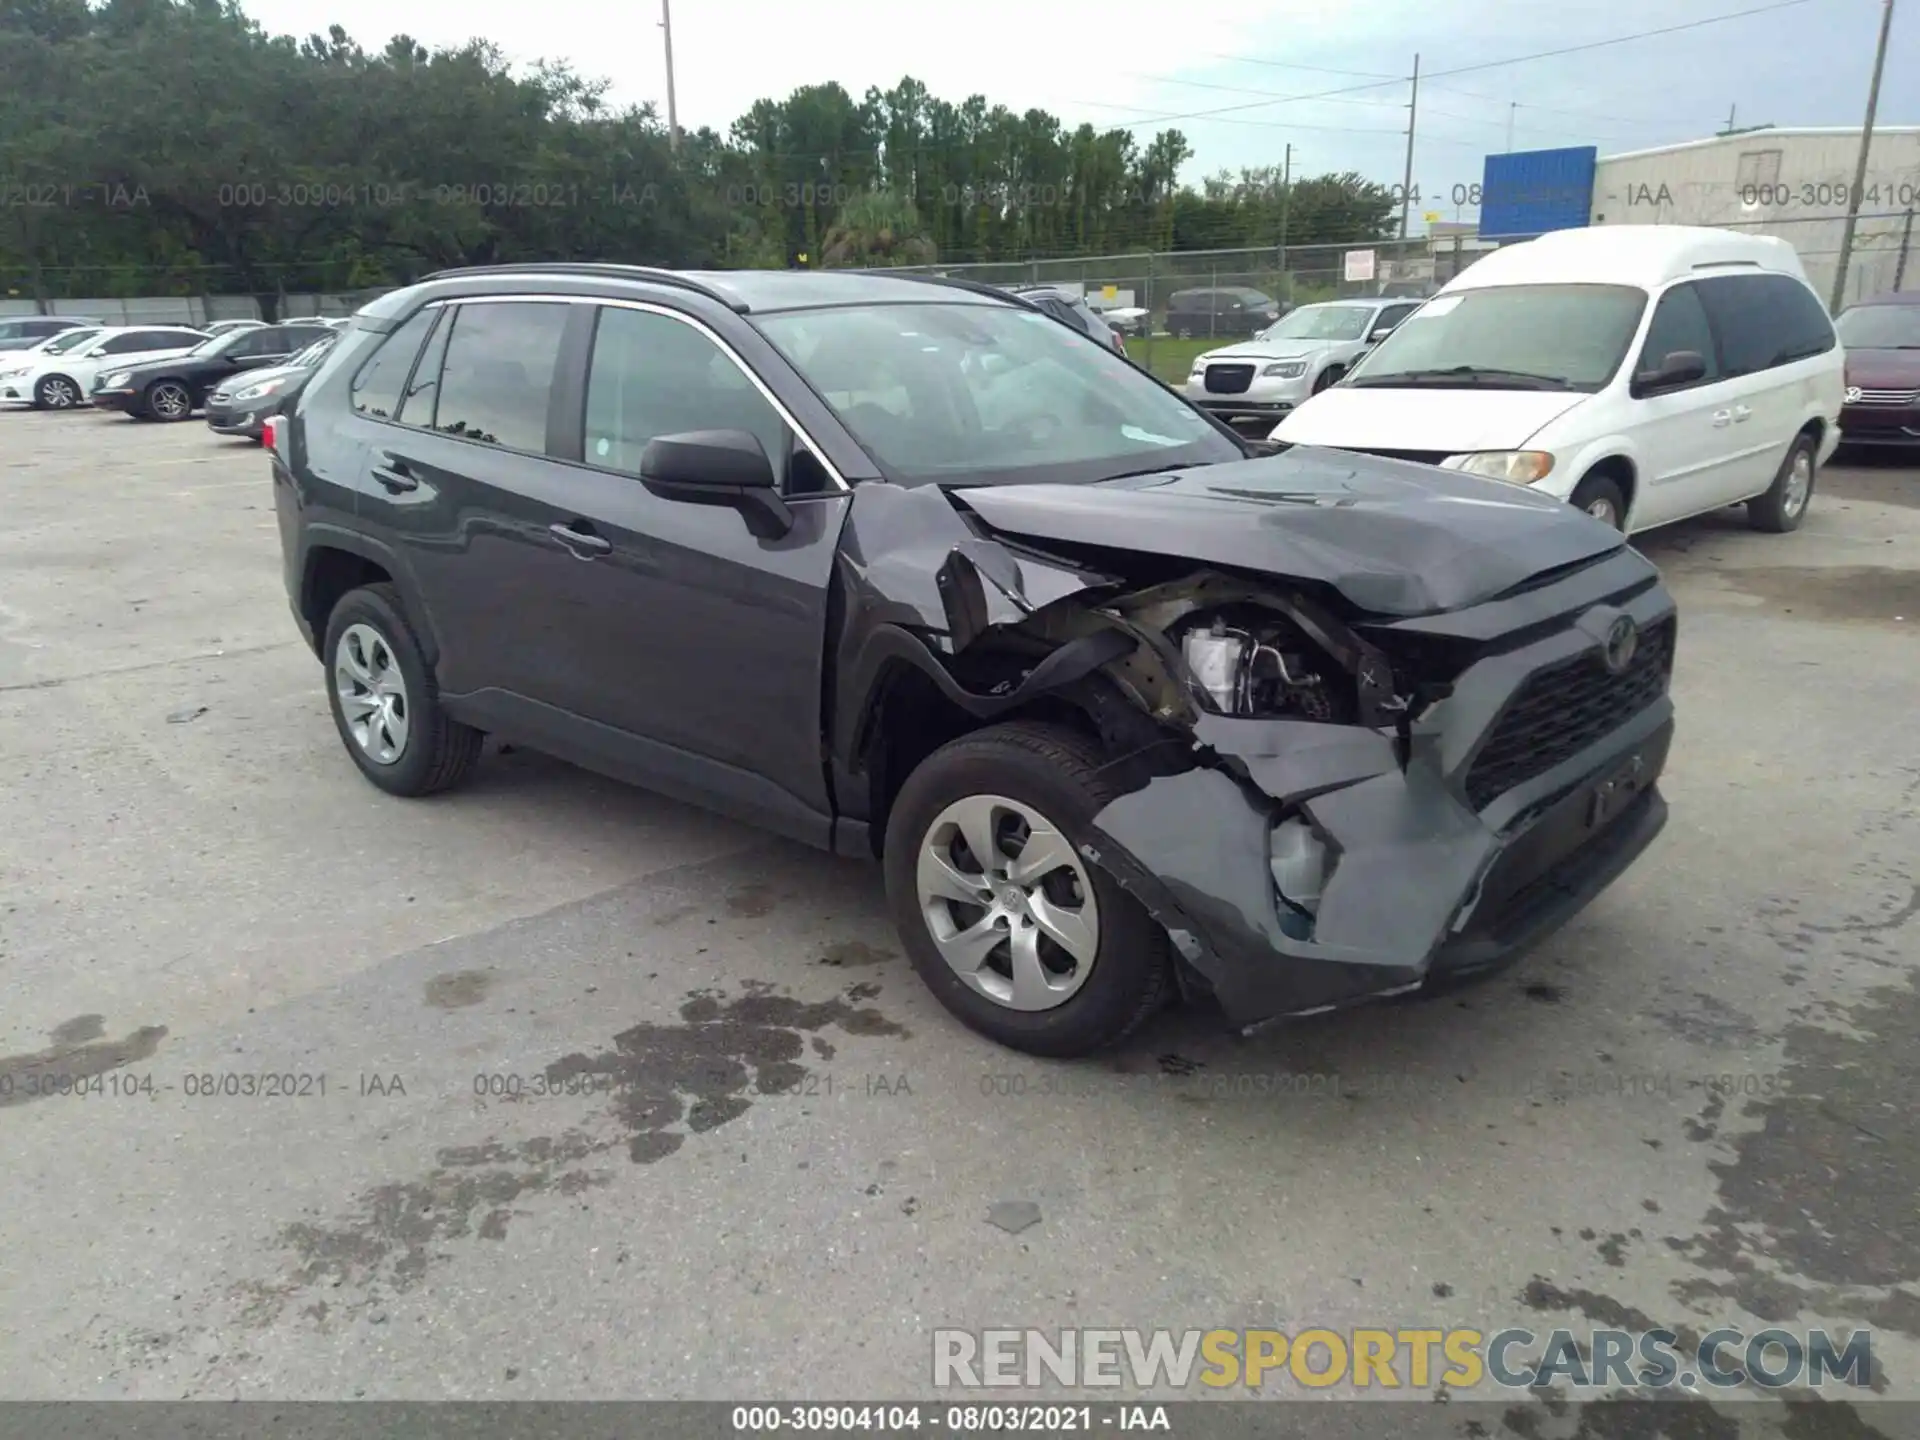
(1453, 421)
(1393, 538)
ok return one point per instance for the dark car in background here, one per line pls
(1125, 707)
(1881, 336)
(1231, 311)
(25, 331)
(1071, 309)
(174, 388)
(241, 404)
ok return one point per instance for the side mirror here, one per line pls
(718, 467)
(1380, 334)
(1681, 367)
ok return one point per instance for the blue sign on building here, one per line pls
(1535, 191)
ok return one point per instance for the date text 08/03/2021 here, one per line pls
(909, 1419)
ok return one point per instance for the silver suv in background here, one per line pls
(1070, 309)
(1266, 377)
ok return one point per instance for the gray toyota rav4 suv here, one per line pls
(1127, 708)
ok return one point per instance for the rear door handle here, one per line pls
(1722, 419)
(582, 543)
(395, 478)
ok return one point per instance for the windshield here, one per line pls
(990, 394)
(1880, 327)
(1570, 337)
(1321, 322)
(67, 340)
(221, 343)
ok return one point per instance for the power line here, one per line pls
(1483, 65)
(1373, 104)
(1290, 124)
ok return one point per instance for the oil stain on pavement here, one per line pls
(698, 1074)
(78, 1053)
(1788, 1233)
(665, 1082)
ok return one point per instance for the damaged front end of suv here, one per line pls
(1364, 730)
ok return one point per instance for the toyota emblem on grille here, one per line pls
(1853, 394)
(1623, 638)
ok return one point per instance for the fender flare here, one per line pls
(323, 536)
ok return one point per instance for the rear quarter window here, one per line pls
(1763, 321)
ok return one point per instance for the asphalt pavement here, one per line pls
(552, 1089)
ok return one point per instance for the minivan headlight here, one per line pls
(1286, 369)
(1518, 467)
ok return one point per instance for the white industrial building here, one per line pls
(1790, 182)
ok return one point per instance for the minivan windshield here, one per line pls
(1509, 337)
(990, 394)
(1880, 327)
(1321, 322)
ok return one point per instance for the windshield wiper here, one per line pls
(1466, 375)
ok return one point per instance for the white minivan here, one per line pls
(1645, 373)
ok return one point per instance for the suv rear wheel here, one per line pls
(1018, 935)
(384, 700)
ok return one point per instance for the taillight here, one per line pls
(270, 432)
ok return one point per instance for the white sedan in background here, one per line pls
(60, 381)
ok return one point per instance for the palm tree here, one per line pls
(877, 228)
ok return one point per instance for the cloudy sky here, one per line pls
(1269, 65)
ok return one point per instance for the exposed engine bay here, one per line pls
(1249, 664)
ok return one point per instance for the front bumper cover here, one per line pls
(1423, 888)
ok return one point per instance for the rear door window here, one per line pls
(1764, 321)
(496, 384)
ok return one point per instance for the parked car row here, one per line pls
(236, 372)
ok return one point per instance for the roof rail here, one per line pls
(601, 268)
(978, 287)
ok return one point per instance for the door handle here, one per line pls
(395, 478)
(582, 543)
(1741, 412)
(1722, 419)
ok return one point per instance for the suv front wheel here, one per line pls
(384, 700)
(1014, 931)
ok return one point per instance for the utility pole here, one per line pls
(1512, 105)
(1860, 167)
(673, 109)
(1413, 111)
(1732, 110)
(1286, 207)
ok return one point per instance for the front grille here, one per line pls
(1229, 379)
(1418, 457)
(1887, 397)
(1565, 708)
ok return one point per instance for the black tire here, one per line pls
(1327, 377)
(1781, 509)
(439, 753)
(166, 400)
(1601, 490)
(1054, 770)
(57, 392)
